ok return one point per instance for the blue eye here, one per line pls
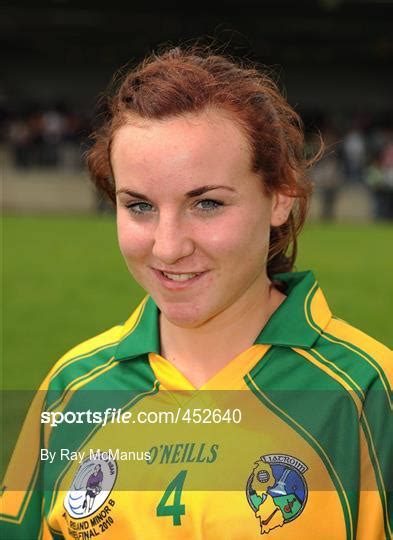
(207, 205)
(140, 207)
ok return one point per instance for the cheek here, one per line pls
(243, 238)
(133, 240)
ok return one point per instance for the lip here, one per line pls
(177, 285)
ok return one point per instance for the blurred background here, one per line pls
(332, 57)
(64, 279)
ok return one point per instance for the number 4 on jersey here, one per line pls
(176, 509)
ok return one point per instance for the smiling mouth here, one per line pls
(181, 277)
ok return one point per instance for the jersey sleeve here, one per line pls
(23, 506)
(376, 480)
(22, 500)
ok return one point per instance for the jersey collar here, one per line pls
(303, 315)
(141, 335)
(298, 321)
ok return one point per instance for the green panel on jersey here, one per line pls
(362, 373)
(320, 410)
(381, 456)
(77, 370)
(361, 364)
(119, 388)
(30, 525)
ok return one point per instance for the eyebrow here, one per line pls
(203, 189)
(193, 193)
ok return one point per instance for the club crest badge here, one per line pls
(277, 490)
(91, 486)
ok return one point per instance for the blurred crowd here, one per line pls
(358, 150)
(55, 136)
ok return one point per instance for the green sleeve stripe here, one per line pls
(96, 371)
(379, 476)
(29, 524)
(92, 356)
(25, 502)
(41, 531)
(374, 420)
(85, 355)
(358, 352)
(349, 521)
(340, 373)
(367, 431)
(369, 359)
(78, 367)
(31, 489)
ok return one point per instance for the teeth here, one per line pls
(180, 277)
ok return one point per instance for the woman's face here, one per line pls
(193, 219)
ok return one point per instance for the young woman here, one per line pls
(204, 160)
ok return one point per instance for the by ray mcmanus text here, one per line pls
(65, 454)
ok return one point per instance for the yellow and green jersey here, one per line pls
(291, 439)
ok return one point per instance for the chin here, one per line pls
(185, 316)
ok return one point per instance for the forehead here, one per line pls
(210, 143)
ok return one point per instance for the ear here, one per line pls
(281, 208)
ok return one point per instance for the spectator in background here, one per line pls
(53, 129)
(69, 149)
(328, 178)
(380, 180)
(19, 136)
(47, 138)
(354, 155)
(36, 145)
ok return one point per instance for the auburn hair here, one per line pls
(180, 81)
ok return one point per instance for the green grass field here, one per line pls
(65, 281)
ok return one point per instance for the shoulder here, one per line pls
(357, 358)
(84, 357)
(354, 339)
(337, 343)
(342, 338)
(92, 356)
(339, 350)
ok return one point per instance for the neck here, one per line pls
(201, 352)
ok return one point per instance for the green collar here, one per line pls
(291, 325)
(145, 336)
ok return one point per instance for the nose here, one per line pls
(172, 240)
